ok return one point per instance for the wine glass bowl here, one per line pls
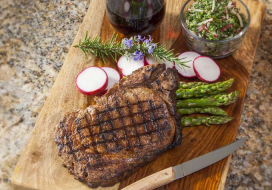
(133, 17)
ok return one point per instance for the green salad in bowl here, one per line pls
(214, 27)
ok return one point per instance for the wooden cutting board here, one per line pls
(40, 167)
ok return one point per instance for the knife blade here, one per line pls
(171, 174)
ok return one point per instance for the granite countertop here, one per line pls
(35, 37)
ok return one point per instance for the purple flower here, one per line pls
(127, 43)
(138, 55)
(147, 41)
(140, 38)
(151, 48)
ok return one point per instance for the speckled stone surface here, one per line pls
(35, 37)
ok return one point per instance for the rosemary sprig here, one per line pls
(95, 46)
(136, 47)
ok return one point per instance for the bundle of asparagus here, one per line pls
(201, 97)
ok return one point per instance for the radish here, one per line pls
(206, 69)
(128, 65)
(113, 77)
(92, 81)
(226, 27)
(187, 72)
(151, 60)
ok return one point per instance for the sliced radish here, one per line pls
(151, 60)
(92, 81)
(206, 69)
(128, 65)
(187, 71)
(226, 27)
(113, 77)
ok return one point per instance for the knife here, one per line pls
(171, 174)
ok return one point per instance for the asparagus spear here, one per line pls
(185, 85)
(209, 101)
(203, 90)
(193, 121)
(209, 110)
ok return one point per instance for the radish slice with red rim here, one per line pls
(206, 69)
(151, 60)
(92, 81)
(128, 65)
(113, 77)
(187, 72)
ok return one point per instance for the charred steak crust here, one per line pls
(132, 124)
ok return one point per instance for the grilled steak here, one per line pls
(132, 124)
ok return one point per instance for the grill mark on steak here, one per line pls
(112, 127)
(132, 136)
(141, 112)
(121, 115)
(132, 124)
(112, 130)
(111, 109)
(67, 136)
(102, 135)
(124, 116)
(153, 119)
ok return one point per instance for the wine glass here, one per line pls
(131, 17)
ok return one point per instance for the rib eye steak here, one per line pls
(132, 124)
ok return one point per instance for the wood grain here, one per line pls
(39, 166)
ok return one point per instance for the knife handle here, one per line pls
(153, 181)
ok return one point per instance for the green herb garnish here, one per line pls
(215, 19)
(136, 47)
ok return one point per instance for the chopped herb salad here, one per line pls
(215, 19)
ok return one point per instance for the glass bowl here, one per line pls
(213, 48)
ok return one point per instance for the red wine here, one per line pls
(135, 17)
